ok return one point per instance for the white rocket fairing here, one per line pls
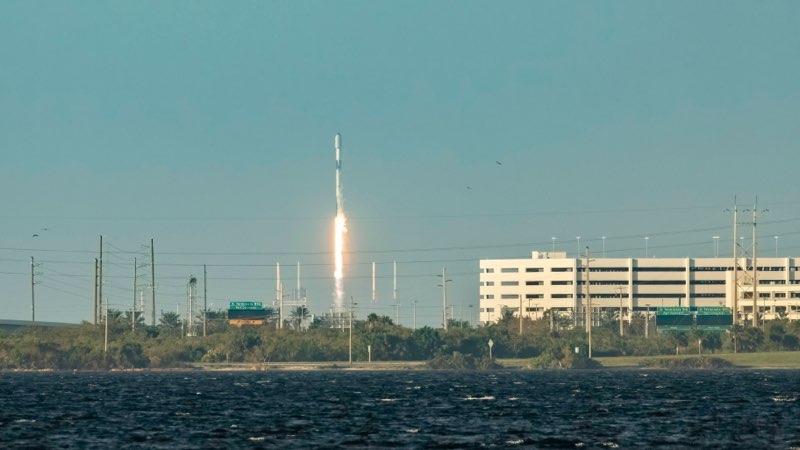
(337, 144)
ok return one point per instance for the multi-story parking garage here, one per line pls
(549, 281)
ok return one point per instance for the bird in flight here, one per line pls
(35, 235)
(499, 163)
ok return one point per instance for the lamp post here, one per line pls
(716, 246)
(415, 315)
(444, 296)
(350, 337)
(646, 239)
(579, 245)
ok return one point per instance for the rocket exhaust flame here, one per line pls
(340, 228)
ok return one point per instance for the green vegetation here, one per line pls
(461, 347)
(693, 362)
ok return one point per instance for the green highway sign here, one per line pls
(713, 310)
(246, 305)
(671, 310)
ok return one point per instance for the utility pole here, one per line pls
(279, 294)
(350, 337)
(94, 311)
(374, 293)
(33, 296)
(588, 313)
(133, 311)
(205, 299)
(519, 297)
(755, 266)
(647, 323)
(621, 329)
(444, 297)
(735, 268)
(153, 279)
(415, 315)
(105, 338)
(100, 285)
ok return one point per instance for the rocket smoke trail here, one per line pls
(340, 227)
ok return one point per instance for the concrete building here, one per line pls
(549, 281)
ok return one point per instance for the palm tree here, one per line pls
(170, 319)
(298, 315)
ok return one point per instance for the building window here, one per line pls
(533, 269)
(489, 270)
(608, 282)
(561, 296)
(488, 310)
(780, 295)
(509, 296)
(489, 296)
(763, 295)
(660, 296)
(708, 281)
(772, 269)
(771, 281)
(509, 283)
(561, 269)
(561, 283)
(659, 269)
(534, 283)
(534, 296)
(490, 283)
(709, 296)
(608, 269)
(482, 297)
(710, 269)
(509, 270)
(660, 282)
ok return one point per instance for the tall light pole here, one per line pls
(444, 296)
(646, 239)
(579, 245)
(588, 313)
(415, 315)
(350, 337)
(716, 246)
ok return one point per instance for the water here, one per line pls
(594, 409)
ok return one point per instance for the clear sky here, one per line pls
(470, 129)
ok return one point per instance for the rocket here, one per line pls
(337, 145)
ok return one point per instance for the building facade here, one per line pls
(551, 282)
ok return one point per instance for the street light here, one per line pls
(646, 239)
(554, 243)
(716, 246)
(350, 337)
(444, 296)
(579, 245)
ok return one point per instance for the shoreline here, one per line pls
(740, 361)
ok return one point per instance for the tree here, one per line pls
(170, 320)
(298, 315)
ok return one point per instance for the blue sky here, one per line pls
(209, 127)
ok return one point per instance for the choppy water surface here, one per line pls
(596, 409)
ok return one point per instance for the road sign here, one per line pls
(246, 305)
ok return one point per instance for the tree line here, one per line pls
(136, 345)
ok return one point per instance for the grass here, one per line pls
(765, 360)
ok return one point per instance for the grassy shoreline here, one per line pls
(765, 360)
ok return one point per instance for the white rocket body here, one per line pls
(337, 144)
